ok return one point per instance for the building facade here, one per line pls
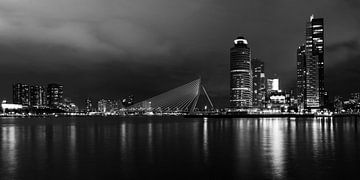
(21, 94)
(128, 101)
(241, 85)
(272, 85)
(54, 94)
(301, 77)
(37, 96)
(88, 105)
(259, 82)
(314, 64)
(109, 106)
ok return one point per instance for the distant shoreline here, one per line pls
(192, 115)
(267, 115)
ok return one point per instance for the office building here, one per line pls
(21, 94)
(259, 82)
(241, 85)
(37, 96)
(54, 94)
(300, 77)
(104, 105)
(272, 85)
(314, 64)
(88, 105)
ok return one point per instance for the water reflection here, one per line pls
(278, 146)
(72, 146)
(150, 141)
(275, 148)
(123, 141)
(8, 149)
(205, 140)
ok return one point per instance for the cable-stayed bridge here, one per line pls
(180, 99)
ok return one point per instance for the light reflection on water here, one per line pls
(205, 140)
(274, 148)
(8, 148)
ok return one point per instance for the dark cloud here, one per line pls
(344, 78)
(351, 45)
(342, 74)
(342, 52)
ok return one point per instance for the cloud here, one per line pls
(344, 78)
(90, 25)
(341, 52)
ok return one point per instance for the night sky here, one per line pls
(113, 48)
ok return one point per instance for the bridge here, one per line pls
(182, 99)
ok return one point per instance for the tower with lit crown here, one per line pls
(314, 94)
(241, 85)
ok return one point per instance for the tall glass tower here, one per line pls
(259, 82)
(300, 74)
(314, 63)
(241, 85)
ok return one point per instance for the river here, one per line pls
(178, 148)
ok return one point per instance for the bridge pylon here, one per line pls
(180, 99)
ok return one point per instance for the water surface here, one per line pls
(178, 148)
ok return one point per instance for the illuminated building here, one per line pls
(277, 101)
(21, 94)
(128, 101)
(314, 64)
(88, 105)
(259, 82)
(291, 99)
(106, 106)
(37, 96)
(353, 104)
(338, 104)
(102, 105)
(274, 97)
(355, 97)
(300, 77)
(117, 105)
(54, 94)
(273, 85)
(278, 98)
(6, 106)
(241, 86)
(68, 106)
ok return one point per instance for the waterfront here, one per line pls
(178, 148)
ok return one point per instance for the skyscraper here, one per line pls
(54, 94)
(37, 96)
(259, 82)
(241, 86)
(300, 76)
(314, 92)
(21, 94)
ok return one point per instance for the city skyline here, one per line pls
(184, 89)
(250, 87)
(183, 52)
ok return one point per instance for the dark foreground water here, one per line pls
(178, 148)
